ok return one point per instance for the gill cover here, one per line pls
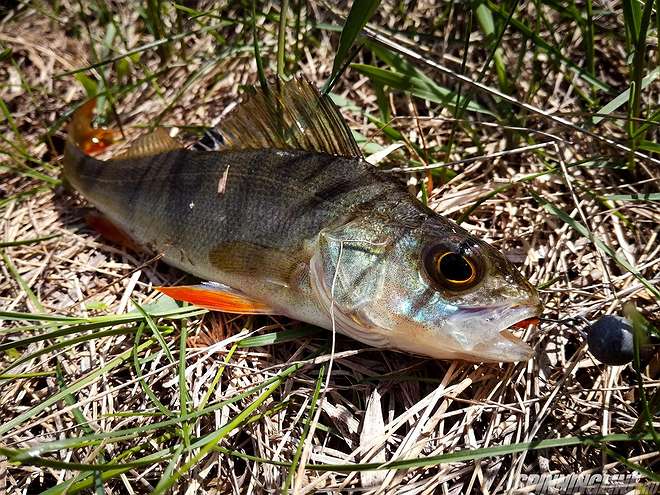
(347, 274)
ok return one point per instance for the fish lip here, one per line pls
(517, 314)
(482, 331)
(505, 315)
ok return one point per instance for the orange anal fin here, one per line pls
(217, 297)
(526, 323)
(110, 231)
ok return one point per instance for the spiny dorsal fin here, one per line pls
(158, 141)
(290, 115)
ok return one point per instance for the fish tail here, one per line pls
(83, 140)
(89, 139)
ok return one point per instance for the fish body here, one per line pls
(301, 225)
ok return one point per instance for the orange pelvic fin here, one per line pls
(217, 297)
(110, 231)
(89, 139)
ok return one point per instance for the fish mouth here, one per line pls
(486, 331)
(519, 317)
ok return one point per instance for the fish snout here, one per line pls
(484, 332)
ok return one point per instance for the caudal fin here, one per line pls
(83, 141)
(90, 140)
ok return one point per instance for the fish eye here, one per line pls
(455, 268)
(451, 270)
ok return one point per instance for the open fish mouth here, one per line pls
(519, 317)
(487, 331)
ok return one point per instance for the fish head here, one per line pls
(426, 287)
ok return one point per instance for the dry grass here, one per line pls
(377, 405)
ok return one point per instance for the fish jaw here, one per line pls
(481, 337)
(474, 334)
(482, 333)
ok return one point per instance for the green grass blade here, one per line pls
(140, 49)
(281, 39)
(27, 242)
(136, 432)
(584, 231)
(360, 13)
(63, 345)
(214, 439)
(301, 442)
(596, 441)
(156, 332)
(257, 54)
(279, 337)
(542, 44)
(632, 18)
(415, 85)
(184, 397)
(216, 378)
(624, 97)
(137, 365)
(70, 400)
(74, 387)
(167, 479)
(487, 25)
(634, 197)
(638, 63)
(32, 297)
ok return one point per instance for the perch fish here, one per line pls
(288, 218)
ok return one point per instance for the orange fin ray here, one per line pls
(217, 297)
(89, 139)
(93, 140)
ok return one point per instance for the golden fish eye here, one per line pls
(455, 268)
(450, 270)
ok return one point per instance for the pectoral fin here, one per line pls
(217, 297)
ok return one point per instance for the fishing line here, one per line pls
(319, 409)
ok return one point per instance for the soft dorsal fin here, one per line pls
(158, 141)
(289, 115)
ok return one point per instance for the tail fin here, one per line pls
(82, 141)
(84, 136)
